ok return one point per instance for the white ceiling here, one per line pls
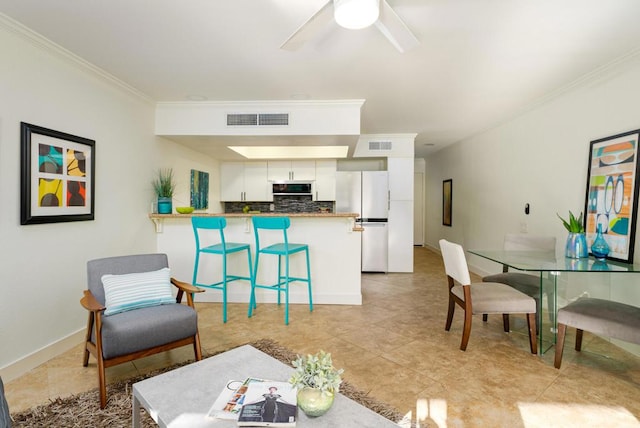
(479, 62)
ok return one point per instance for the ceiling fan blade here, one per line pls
(310, 28)
(394, 28)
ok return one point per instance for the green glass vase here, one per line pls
(314, 402)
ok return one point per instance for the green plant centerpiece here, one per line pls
(317, 382)
(164, 186)
(576, 247)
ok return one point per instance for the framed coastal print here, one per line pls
(57, 176)
(447, 201)
(612, 193)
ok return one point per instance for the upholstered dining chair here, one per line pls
(482, 297)
(599, 316)
(133, 314)
(527, 283)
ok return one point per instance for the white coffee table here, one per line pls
(182, 397)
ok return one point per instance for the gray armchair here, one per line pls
(131, 334)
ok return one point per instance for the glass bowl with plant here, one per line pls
(576, 247)
(317, 382)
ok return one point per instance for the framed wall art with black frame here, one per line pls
(612, 193)
(447, 202)
(57, 176)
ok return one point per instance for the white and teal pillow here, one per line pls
(137, 290)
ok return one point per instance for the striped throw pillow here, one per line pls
(137, 290)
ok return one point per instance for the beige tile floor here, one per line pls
(395, 346)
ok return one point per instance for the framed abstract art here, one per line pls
(612, 193)
(57, 176)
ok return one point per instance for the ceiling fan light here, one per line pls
(356, 14)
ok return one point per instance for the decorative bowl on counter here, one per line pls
(185, 210)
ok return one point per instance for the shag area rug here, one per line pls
(82, 410)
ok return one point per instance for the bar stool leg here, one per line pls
(309, 280)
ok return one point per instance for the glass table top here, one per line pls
(551, 262)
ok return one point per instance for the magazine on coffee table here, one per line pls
(269, 403)
(229, 402)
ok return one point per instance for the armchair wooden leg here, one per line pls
(578, 339)
(85, 359)
(562, 328)
(196, 347)
(103, 383)
(505, 322)
(533, 336)
(485, 317)
(466, 332)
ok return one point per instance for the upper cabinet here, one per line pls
(325, 180)
(298, 170)
(244, 181)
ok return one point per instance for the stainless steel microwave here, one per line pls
(292, 188)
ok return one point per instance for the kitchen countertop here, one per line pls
(270, 214)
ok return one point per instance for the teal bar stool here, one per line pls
(283, 250)
(222, 248)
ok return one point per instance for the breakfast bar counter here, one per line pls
(334, 251)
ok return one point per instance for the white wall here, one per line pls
(538, 158)
(44, 266)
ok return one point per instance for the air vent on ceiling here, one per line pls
(257, 119)
(379, 145)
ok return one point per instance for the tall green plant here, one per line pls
(574, 225)
(163, 183)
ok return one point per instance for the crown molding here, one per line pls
(41, 42)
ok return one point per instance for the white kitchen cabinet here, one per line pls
(325, 189)
(298, 170)
(244, 181)
(400, 178)
(401, 236)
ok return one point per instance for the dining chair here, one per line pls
(608, 318)
(482, 297)
(527, 283)
(283, 250)
(221, 248)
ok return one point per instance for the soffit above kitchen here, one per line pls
(222, 129)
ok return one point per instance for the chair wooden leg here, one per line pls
(562, 328)
(533, 336)
(466, 332)
(85, 359)
(102, 381)
(485, 317)
(578, 339)
(452, 308)
(505, 323)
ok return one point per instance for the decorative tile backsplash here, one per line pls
(283, 204)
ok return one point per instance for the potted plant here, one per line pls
(576, 247)
(164, 186)
(317, 382)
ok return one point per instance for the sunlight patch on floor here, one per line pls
(578, 415)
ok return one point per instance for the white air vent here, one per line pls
(258, 119)
(379, 145)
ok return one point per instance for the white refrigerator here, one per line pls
(367, 193)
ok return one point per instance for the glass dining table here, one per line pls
(549, 266)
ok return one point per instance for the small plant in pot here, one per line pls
(576, 247)
(164, 186)
(317, 382)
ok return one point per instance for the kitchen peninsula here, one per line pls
(334, 251)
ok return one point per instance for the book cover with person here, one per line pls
(230, 400)
(269, 403)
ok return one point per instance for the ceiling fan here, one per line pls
(388, 22)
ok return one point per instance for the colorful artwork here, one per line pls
(57, 177)
(199, 189)
(612, 187)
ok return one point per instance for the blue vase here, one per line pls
(576, 247)
(165, 205)
(600, 248)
